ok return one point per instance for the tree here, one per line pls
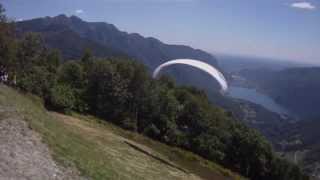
(87, 56)
(107, 91)
(31, 51)
(87, 59)
(3, 17)
(36, 80)
(8, 46)
(34, 69)
(62, 98)
(71, 73)
(53, 61)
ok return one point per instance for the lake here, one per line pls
(256, 97)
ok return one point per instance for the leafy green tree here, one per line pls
(87, 57)
(87, 60)
(71, 73)
(8, 45)
(249, 153)
(31, 51)
(107, 92)
(62, 98)
(35, 80)
(139, 88)
(53, 61)
(32, 70)
(210, 146)
(168, 114)
(167, 81)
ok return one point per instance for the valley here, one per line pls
(253, 96)
(281, 90)
(85, 88)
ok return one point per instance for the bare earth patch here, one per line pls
(22, 154)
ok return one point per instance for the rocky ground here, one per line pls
(22, 154)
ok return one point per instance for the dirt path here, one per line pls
(22, 154)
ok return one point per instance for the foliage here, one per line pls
(7, 43)
(62, 97)
(98, 150)
(121, 90)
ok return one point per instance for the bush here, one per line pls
(62, 98)
(35, 80)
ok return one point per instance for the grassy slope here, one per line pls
(102, 151)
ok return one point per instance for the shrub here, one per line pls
(62, 98)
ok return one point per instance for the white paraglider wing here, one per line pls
(215, 73)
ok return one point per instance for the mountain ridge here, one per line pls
(148, 50)
(108, 41)
(183, 75)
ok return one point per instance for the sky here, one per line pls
(278, 29)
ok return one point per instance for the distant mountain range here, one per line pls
(71, 35)
(71, 32)
(295, 88)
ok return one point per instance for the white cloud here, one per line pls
(79, 11)
(303, 5)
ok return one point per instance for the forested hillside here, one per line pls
(85, 147)
(298, 90)
(69, 34)
(294, 88)
(302, 139)
(121, 91)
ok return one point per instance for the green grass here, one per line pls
(98, 149)
(185, 159)
(68, 147)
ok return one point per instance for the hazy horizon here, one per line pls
(285, 30)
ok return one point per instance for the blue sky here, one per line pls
(284, 29)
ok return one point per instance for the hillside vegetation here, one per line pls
(71, 35)
(121, 91)
(101, 150)
(303, 138)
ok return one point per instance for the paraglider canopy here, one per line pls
(212, 71)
